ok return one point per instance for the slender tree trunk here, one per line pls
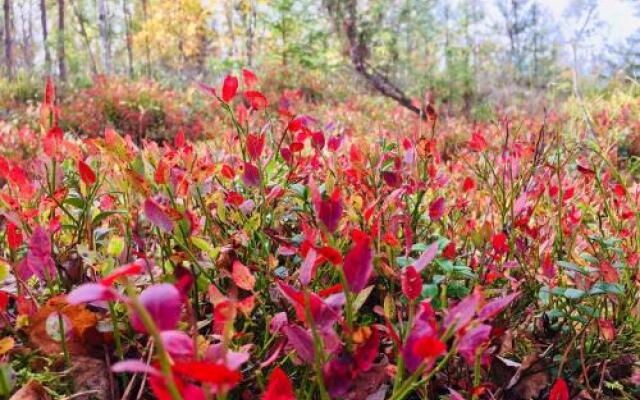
(145, 16)
(251, 32)
(8, 37)
(45, 35)
(103, 26)
(85, 37)
(62, 62)
(30, 42)
(127, 24)
(230, 25)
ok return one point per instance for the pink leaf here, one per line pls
(307, 269)
(38, 258)
(472, 340)
(426, 257)
(242, 276)
(157, 216)
(462, 313)
(301, 342)
(90, 292)
(495, 306)
(162, 302)
(177, 343)
(135, 366)
(251, 175)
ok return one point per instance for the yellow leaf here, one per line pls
(6, 344)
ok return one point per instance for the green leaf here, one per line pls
(105, 214)
(205, 246)
(430, 291)
(115, 246)
(607, 288)
(361, 298)
(75, 202)
(573, 294)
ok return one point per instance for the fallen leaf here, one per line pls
(81, 340)
(31, 391)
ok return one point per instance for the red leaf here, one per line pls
(249, 78)
(242, 276)
(135, 268)
(477, 142)
(607, 330)
(179, 141)
(436, 209)
(229, 88)
(332, 255)
(368, 351)
(279, 387)
(429, 347)
(411, 283)
(86, 173)
(256, 99)
(202, 371)
(358, 265)
(500, 243)
(609, 272)
(468, 184)
(14, 236)
(160, 176)
(559, 390)
(300, 122)
(255, 145)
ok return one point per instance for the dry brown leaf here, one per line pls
(33, 390)
(530, 379)
(84, 334)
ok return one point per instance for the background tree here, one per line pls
(8, 37)
(103, 23)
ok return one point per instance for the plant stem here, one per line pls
(165, 362)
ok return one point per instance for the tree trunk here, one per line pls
(145, 16)
(8, 38)
(250, 25)
(103, 27)
(345, 17)
(230, 25)
(85, 37)
(127, 24)
(29, 42)
(45, 35)
(62, 62)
